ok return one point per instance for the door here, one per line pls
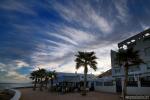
(92, 86)
(118, 85)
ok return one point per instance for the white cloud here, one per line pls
(8, 72)
(78, 35)
(63, 38)
(84, 15)
(101, 23)
(17, 6)
(144, 26)
(61, 57)
(121, 6)
(20, 64)
(14, 77)
(68, 67)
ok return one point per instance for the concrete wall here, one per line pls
(130, 90)
(111, 89)
(138, 90)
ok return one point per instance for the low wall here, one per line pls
(111, 89)
(17, 94)
(130, 90)
(138, 90)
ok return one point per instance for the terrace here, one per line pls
(29, 94)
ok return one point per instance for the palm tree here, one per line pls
(46, 79)
(85, 59)
(127, 58)
(52, 76)
(34, 76)
(42, 73)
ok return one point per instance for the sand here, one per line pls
(29, 94)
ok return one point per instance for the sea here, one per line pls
(14, 85)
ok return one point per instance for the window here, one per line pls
(99, 83)
(147, 37)
(148, 65)
(131, 82)
(134, 68)
(117, 70)
(110, 83)
(147, 51)
(145, 81)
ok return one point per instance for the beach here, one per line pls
(29, 94)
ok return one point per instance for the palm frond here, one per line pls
(130, 55)
(85, 58)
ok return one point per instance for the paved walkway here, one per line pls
(29, 94)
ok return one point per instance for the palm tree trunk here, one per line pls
(34, 87)
(41, 85)
(51, 87)
(46, 82)
(85, 80)
(51, 82)
(125, 82)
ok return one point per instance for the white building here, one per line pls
(74, 79)
(139, 75)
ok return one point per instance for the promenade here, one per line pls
(29, 94)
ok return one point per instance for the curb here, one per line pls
(17, 94)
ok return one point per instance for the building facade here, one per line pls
(74, 80)
(138, 75)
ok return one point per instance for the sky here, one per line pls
(48, 33)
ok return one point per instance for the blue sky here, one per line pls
(48, 33)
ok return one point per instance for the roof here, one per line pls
(71, 74)
(107, 73)
(135, 37)
(72, 77)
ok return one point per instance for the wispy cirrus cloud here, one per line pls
(83, 15)
(122, 9)
(17, 6)
(77, 34)
(48, 34)
(64, 38)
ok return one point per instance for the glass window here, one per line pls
(110, 83)
(117, 70)
(148, 65)
(147, 51)
(99, 83)
(145, 81)
(131, 82)
(134, 68)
